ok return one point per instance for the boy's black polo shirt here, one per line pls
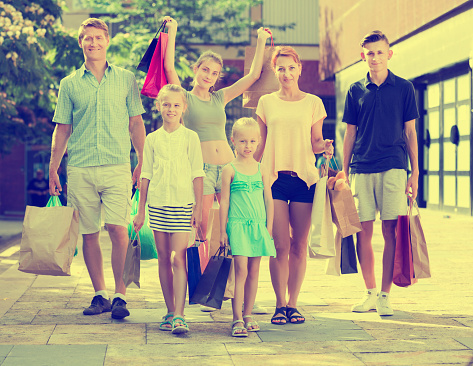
(379, 114)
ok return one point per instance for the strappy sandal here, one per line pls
(163, 325)
(291, 314)
(242, 330)
(179, 327)
(279, 316)
(253, 324)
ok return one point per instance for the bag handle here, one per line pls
(54, 201)
(271, 34)
(160, 29)
(413, 203)
(222, 250)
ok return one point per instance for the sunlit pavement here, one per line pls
(41, 321)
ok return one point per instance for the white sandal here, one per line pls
(251, 324)
(243, 331)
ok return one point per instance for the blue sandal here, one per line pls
(164, 325)
(179, 327)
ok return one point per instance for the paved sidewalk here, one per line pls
(41, 321)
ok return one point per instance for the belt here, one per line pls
(288, 172)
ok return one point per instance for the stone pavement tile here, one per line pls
(417, 358)
(59, 355)
(18, 316)
(25, 334)
(421, 332)
(4, 351)
(403, 345)
(44, 294)
(24, 305)
(202, 333)
(59, 281)
(168, 359)
(465, 321)
(371, 316)
(301, 359)
(313, 330)
(286, 348)
(466, 341)
(69, 316)
(433, 319)
(99, 334)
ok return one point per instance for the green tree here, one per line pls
(30, 69)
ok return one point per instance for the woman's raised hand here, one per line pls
(170, 23)
(264, 33)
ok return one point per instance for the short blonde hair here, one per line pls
(92, 22)
(242, 123)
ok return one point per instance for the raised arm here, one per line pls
(233, 91)
(61, 135)
(169, 56)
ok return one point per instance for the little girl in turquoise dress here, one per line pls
(246, 221)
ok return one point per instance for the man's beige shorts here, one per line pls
(384, 192)
(88, 188)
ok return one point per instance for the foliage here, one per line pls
(28, 86)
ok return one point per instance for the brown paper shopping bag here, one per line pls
(420, 256)
(131, 270)
(48, 240)
(267, 82)
(344, 214)
(333, 264)
(213, 237)
(321, 240)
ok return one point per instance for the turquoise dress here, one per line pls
(246, 227)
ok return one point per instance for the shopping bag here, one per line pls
(267, 82)
(146, 59)
(211, 287)
(348, 255)
(48, 240)
(193, 265)
(55, 201)
(131, 271)
(403, 271)
(213, 235)
(148, 245)
(156, 77)
(420, 256)
(344, 214)
(332, 266)
(321, 239)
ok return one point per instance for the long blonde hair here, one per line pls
(209, 55)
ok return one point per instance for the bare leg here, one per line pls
(279, 266)
(251, 287)
(119, 237)
(365, 253)
(179, 247)
(207, 204)
(389, 234)
(94, 260)
(241, 273)
(299, 213)
(163, 246)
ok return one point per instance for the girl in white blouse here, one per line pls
(172, 182)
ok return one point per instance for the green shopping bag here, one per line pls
(148, 246)
(54, 201)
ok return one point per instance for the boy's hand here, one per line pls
(224, 240)
(138, 221)
(171, 23)
(264, 33)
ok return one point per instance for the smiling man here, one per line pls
(380, 113)
(98, 111)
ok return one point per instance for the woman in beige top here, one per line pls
(291, 130)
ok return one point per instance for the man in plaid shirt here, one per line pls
(98, 111)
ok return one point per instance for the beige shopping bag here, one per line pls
(344, 214)
(333, 264)
(321, 240)
(48, 240)
(267, 83)
(213, 237)
(420, 256)
(131, 271)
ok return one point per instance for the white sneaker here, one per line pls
(367, 303)
(383, 306)
(206, 309)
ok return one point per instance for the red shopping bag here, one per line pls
(403, 271)
(156, 77)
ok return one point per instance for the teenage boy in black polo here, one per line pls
(380, 113)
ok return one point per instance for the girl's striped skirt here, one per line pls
(170, 219)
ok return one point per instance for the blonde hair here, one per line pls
(210, 55)
(286, 51)
(172, 88)
(92, 22)
(242, 123)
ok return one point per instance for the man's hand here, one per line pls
(55, 188)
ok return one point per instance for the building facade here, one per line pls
(433, 47)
